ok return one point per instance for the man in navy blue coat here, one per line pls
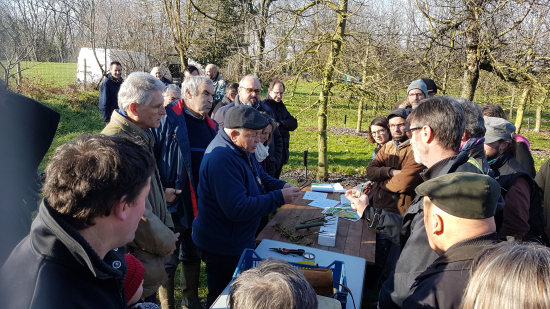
(108, 92)
(234, 194)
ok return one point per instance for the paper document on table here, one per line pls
(324, 203)
(310, 195)
(327, 187)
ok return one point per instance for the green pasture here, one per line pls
(44, 73)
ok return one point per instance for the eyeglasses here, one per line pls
(379, 132)
(412, 129)
(398, 125)
(252, 90)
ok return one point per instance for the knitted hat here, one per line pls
(418, 84)
(134, 276)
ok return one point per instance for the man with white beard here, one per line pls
(436, 126)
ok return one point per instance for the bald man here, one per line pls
(459, 210)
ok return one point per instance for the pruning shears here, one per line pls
(286, 251)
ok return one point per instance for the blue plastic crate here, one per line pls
(250, 259)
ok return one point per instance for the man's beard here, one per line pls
(250, 102)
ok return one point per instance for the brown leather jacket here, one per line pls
(394, 193)
(154, 237)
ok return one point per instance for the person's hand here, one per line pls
(358, 201)
(394, 172)
(290, 194)
(288, 185)
(176, 236)
(170, 194)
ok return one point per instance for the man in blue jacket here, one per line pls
(234, 193)
(181, 139)
(108, 92)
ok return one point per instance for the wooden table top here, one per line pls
(352, 238)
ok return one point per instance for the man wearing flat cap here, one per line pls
(459, 212)
(522, 215)
(234, 193)
(394, 168)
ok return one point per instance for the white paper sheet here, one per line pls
(327, 187)
(310, 195)
(324, 203)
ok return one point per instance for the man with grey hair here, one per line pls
(249, 94)
(211, 71)
(159, 74)
(171, 93)
(234, 194)
(474, 132)
(181, 139)
(272, 284)
(140, 102)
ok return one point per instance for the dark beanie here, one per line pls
(134, 276)
(463, 195)
(244, 116)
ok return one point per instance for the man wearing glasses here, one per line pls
(250, 91)
(394, 169)
(437, 126)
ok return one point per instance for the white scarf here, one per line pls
(261, 152)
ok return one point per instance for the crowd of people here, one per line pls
(181, 175)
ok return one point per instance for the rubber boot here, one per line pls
(166, 293)
(189, 282)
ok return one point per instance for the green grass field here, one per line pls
(45, 73)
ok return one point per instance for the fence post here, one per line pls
(85, 69)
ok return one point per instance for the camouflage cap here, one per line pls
(463, 195)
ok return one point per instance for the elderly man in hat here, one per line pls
(234, 194)
(459, 212)
(522, 215)
(394, 168)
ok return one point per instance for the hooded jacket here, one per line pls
(394, 193)
(108, 96)
(154, 238)
(55, 267)
(234, 193)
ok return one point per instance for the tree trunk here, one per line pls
(511, 114)
(473, 56)
(360, 115)
(539, 112)
(337, 42)
(262, 32)
(521, 107)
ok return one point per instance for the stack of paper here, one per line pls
(327, 187)
(319, 199)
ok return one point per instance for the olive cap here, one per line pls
(463, 195)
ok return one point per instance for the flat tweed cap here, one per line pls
(244, 116)
(463, 195)
(498, 129)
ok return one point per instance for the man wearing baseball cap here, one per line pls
(522, 215)
(459, 210)
(234, 194)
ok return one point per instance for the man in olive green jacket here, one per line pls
(141, 107)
